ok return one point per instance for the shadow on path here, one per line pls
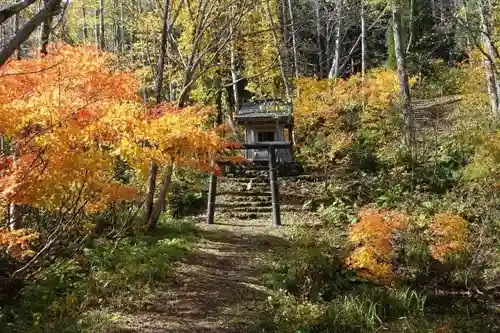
(217, 288)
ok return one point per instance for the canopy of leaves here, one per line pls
(70, 116)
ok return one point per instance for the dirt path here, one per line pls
(219, 287)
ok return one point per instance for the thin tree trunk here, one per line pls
(46, 30)
(102, 39)
(153, 173)
(122, 29)
(84, 24)
(40, 27)
(489, 57)
(410, 28)
(279, 53)
(318, 42)
(409, 128)
(363, 39)
(184, 94)
(65, 36)
(284, 15)
(294, 41)
(2, 36)
(151, 207)
(334, 70)
(234, 74)
(17, 53)
(161, 201)
(15, 221)
(160, 67)
(96, 28)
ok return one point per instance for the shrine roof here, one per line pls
(266, 110)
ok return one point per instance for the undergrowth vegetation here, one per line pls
(76, 294)
(408, 243)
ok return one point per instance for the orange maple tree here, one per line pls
(371, 239)
(69, 115)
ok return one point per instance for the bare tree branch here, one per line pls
(12, 10)
(50, 9)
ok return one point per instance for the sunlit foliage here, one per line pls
(70, 116)
(17, 243)
(449, 234)
(372, 239)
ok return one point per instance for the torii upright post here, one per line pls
(273, 182)
(212, 191)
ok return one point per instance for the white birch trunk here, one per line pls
(334, 70)
(294, 41)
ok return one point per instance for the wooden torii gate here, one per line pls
(273, 180)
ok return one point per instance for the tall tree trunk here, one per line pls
(279, 53)
(46, 30)
(363, 39)
(234, 74)
(84, 24)
(492, 77)
(319, 41)
(102, 37)
(96, 28)
(409, 127)
(122, 29)
(410, 26)
(160, 67)
(294, 41)
(284, 16)
(17, 53)
(40, 27)
(334, 70)
(161, 201)
(2, 36)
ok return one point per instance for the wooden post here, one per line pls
(212, 190)
(273, 182)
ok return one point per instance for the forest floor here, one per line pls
(218, 288)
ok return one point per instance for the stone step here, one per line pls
(243, 186)
(264, 206)
(235, 204)
(239, 199)
(248, 216)
(263, 209)
(246, 193)
(243, 181)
